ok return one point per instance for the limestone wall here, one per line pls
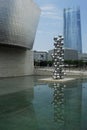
(15, 61)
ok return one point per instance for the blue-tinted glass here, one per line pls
(72, 29)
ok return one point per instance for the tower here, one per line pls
(72, 29)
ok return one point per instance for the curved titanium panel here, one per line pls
(18, 22)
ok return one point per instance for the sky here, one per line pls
(51, 22)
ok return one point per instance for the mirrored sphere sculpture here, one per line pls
(58, 58)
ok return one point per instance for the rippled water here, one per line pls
(26, 104)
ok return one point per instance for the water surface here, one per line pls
(26, 104)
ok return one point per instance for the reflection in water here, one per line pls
(16, 108)
(58, 103)
(73, 106)
(24, 106)
(84, 106)
(67, 102)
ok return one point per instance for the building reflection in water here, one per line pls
(84, 105)
(55, 106)
(16, 107)
(73, 105)
(67, 100)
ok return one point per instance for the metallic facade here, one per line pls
(18, 22)
(72, 29)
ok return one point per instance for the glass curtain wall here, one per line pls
(72, 29)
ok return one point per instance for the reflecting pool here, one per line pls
(26, 104)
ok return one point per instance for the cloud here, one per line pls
(51, 12)
(48, 8)
(44, 32)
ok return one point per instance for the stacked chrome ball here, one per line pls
(58, 58)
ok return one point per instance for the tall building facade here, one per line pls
(18, 25)
(72, 29)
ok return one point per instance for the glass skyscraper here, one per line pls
(72, 29)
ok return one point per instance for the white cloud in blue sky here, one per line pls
(51, 11)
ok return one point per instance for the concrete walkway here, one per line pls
(49, 72)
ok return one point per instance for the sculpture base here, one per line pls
(57, 80)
